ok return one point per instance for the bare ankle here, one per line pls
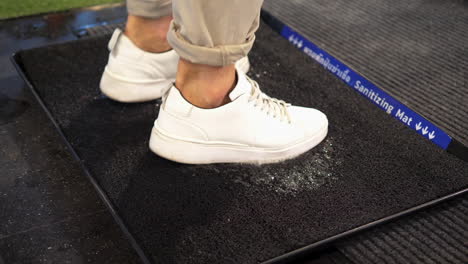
(149, 34)
(205, 86)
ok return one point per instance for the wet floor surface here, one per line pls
(50, 212)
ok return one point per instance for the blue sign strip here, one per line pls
(367, 89)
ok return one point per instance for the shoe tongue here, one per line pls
(243, 86)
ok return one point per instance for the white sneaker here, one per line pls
(252, 128)
(134, 75)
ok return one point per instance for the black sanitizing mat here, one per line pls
(369, 167)
(415, 50)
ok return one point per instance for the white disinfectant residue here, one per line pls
(290, 177)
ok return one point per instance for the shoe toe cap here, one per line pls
(310, 120)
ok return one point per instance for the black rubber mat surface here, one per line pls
(369, 167)
(102, 29)
(436, 235)
(415, 50)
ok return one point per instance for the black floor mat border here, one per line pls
(320, 245)
(435, 235)
(354, 80)
(18, 65)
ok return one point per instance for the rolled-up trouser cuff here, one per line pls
(149, 8)
(215, 56)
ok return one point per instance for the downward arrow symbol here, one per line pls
(291, 38)
(432, 135)
(300, 44)
(425, 131)
(418, 126)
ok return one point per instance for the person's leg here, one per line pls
(215, 113)
(142, 64)
(210, 36)
(147, 24)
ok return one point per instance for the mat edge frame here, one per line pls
(454, 147)
(317, 246)
(285, 258)
(105, 199)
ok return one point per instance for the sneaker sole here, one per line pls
(198, 153)
(126, 91)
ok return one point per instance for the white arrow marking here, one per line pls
(300, 44)
(418, 126)
(291, 38)
(425, 131)
(432, 135)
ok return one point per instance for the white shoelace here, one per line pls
(277, 108)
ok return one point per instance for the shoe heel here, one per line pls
(176, 150)
(130, 92)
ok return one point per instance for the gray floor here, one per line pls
(53, 214)
(50, 211)
(436, 235)
(415, 50)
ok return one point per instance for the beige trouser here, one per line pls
(212, 32)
